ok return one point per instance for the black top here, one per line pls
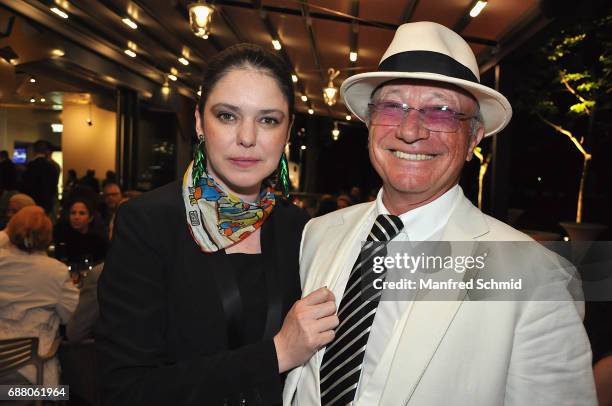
(74, 247)
(40, 182)
(168, 311)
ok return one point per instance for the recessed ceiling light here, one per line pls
(348, 117)
(32, 80)
(477, 8)
(57, 52)
(130, 23)
(276, 44)
(59, 12)
(130, 53)
(294, 78)
(353, 56)
(32, 100)
(42, 100)
(183, 60)
(304, 98)
(303, 147)
(172, 77)
(310, 111)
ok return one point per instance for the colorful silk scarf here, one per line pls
(219, 219)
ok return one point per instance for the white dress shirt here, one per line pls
(37, 295)
(425, 223)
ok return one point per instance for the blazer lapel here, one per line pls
(424, 325)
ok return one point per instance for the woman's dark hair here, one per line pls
(248, 56)
(86, 203)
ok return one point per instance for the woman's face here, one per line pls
(246, 125)
(80, 217)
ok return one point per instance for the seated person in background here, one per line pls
(75, 240)
(327, 204)
(111, 192)
(81, 325)
(37, 293)
(16, 202)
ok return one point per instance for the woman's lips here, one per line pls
(244, 162)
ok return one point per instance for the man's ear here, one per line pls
(474, 141)
(198, 123)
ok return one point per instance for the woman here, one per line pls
(75, 241)
(202, 271)
(37, 293)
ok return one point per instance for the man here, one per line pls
(111, 192)
(41, 177)
(8, 174)
(426, 111)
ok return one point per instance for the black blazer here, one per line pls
(162, 337)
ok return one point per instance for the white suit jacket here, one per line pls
(459, 352)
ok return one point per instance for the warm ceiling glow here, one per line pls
(32, 100)
(276, 44)
(165, 89)
(32, 80)
(477, 8)
(353, 56)
(348, 117)
(59, 12)
(184, 61)
(303, 147)
(57, 52)
(310, 111)
(172, 77)
(200, 16)
(304, 98)
(335, 132)
(330, 93)
(42, 100)
(130, 53)
(130, 23)
(294, 78)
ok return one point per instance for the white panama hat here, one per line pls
(430, 51)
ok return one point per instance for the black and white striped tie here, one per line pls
(343, 358)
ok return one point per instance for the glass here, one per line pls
(438, 118)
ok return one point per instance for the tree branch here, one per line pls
(563, 131)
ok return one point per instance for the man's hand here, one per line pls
(307, 327)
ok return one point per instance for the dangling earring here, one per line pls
(199, 161)
(283, 175)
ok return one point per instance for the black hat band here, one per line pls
(427, 61)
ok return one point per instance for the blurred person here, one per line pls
(111, 177)
(327, 204)
(8, 174)
(112, 196)
(41, 176)
(17, 202)
(343, 201)
(202, 271)
(90, 181)
(37, 294)
(75, 241)
(356, 195)
(71, 181)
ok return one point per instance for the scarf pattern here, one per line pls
(218, 219)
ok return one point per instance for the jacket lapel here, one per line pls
(424, 325)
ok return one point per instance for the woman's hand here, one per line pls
(307, 327)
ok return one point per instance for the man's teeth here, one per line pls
(412, 157)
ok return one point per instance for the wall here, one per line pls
(27, 125)
(88, 147)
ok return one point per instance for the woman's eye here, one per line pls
(269, 121)
(226, 116)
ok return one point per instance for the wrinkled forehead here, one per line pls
(428, 87)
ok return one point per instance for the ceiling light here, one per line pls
(330, 93)
(57, 107)
(294, 78)
(477, 8)
(165, 88)
(184, 61)
(304, 98)
(353, 56)
(200, 16)
(310, 111)
(348, 117)
(32, 80)
(57, 52)
(199, 93)
(276, 44)
(335, 131)
(172, 77)
(303, 147)
(130, 23)
(42, 100)
(32, 100)
(57, 128)
(130, 53)
(59, 12)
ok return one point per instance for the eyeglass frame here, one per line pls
(457, 116)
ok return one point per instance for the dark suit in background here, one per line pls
(40, 182)
(164, 335)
